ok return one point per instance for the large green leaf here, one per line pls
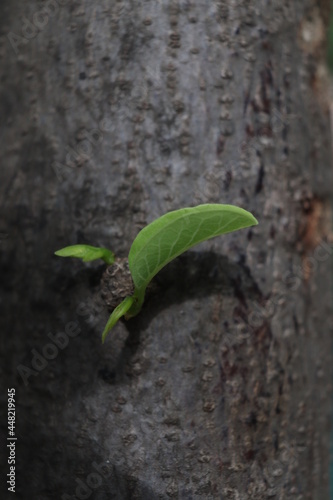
(175, 232)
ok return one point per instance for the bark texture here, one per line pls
(114, 113)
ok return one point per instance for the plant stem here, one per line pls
(138, 298)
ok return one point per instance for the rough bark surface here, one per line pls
(114, 113)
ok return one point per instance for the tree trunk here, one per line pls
(114, 113)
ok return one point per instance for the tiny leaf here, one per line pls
(116, 314)
(175, 232)
(87, 253)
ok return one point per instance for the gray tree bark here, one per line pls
(114, 113)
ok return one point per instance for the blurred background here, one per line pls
(330, 38)
(330, 63)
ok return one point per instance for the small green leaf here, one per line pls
(174, 233)
(116, 314)
(87, 253)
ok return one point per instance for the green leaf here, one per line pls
(159, 243)
(87, 253)
(117, 313)
(175, 232)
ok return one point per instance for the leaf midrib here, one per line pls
(142, 250)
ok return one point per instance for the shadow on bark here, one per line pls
(194, 275)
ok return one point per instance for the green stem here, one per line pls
(138, 298)
(108, 257)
